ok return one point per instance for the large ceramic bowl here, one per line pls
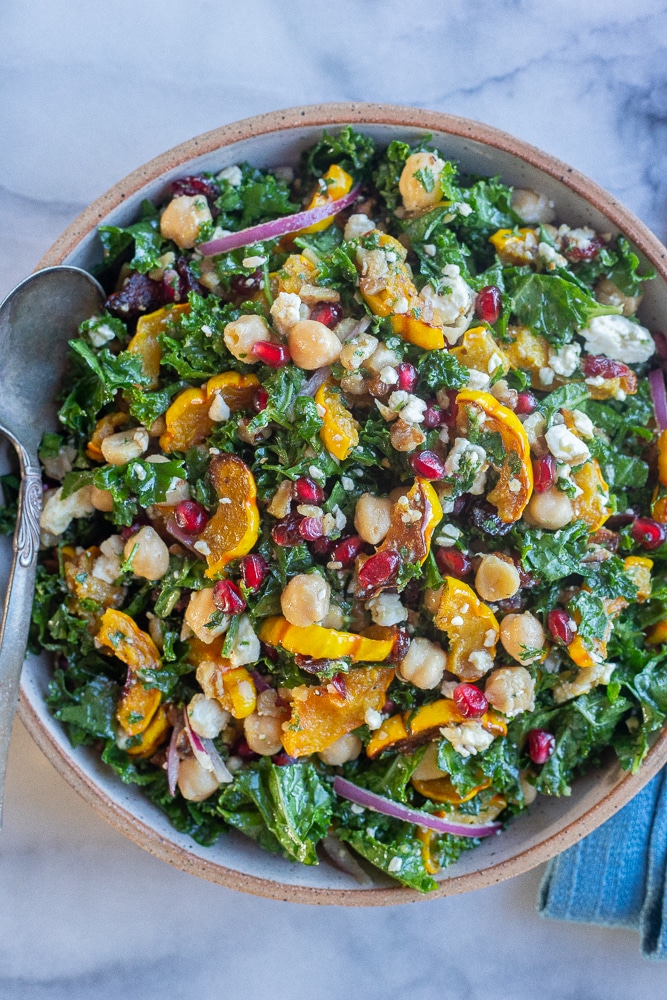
(277, 139)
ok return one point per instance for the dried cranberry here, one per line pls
(647, 533)
(273, 355)
(452, 562)
(560, 625)
(187, 281)
(541, 745)
(129, 530)
(310, 528)
(313, 664)
(140, 294)
(283, 759)
(227, 597)
(242, 286)
(190, 516)
(195, 184)
(575, 253)
(407, 376)
(254, 571)
(328, 313)
(347, 550)
(525, 403)
(260, 399)
(243, 750)
(485, 518)
(470, 701)
(339, 682)
(597, 366)
(617, 521)
(379, 569)
(433, 416)
(427, 465)
(488, 304)
(322, 546)
(544, 473)
(286, 532)
(307, 491)
(400, 648)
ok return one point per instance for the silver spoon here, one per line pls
(37, 319)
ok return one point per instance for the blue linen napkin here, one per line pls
(616, 875)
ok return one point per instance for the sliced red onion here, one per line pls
(206, 753)
(378, 803)
(173, 759)
(311, 385)
(186, 540)
(656, 380)
(277, 227)
(343, 859)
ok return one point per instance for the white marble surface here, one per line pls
(90, 91)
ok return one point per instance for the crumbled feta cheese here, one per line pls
(389, 375)
(552, 259)
(372, 718)
(534, 425)
(339, 517)
(495, 361)
(107, 566)
(315, 473)
(347, 483)
(449, 534)
(454, 305)
(566, 360)
(232, 175)
(206, 716)
(490, 638)
(514, 486)
(57, 514)
(253, 261)
(429, 249)
(357, 225)
(203, 547)
(583, 423)
(218, 410)
(101, 334)
(386, 609)
(356, 809)
(457, 621)
(411, 408)
(474, 454)
(468, 738)
(285, 311)
(463, 208)
(285, 174)
(478, 381)
(139, 471)
(321, 410)
(617, 337)
(481, 661)
(566, 446)
(245, 645)
(584, 681)
(395, 864)
(401, 305)
(546, 375)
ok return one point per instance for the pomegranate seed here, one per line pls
(307, 491)
(453, 562)
(380, 568)
(273, 355)
(283, 759)
(195, 184)
(647, 533)
(260, 399)
(560, 625)
(329, 313)
(244, 285)
(254, 571)
(339, 682)
(129, 530)
(450, 414)
(321, 546)
(544, 473)
(407, 376)
(541, 745)
(525, 403)
(488, 304)
(595, 365)
(286, 532)
(470, 701)
(433, 416)
(588, 252)
(243, 750)
(311, 528)
(427, 465)
(227, 597)
(347, 550)
(190, 516)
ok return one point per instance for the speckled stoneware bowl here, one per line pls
(271, 140)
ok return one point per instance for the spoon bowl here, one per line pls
(43, 311)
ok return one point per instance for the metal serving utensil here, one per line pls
(37, 319)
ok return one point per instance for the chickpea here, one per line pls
(263, 732)
(101, 499)
(421, 173)
(511, 690)
(148, 554)
(183, 218)
(241, 335)
(372, 517)
(520, 633)
(306, 599)
(198, 613)
(531, 206)
(529, 791)
(551, 510)
(125, 445)
(313, 345)
(195, 783)
(611, 295)
(424, 664)
(432, 599)
(345, 748)
(496, 580)
(335, 618)
(156, 630)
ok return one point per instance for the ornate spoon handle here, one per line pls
(18, 603)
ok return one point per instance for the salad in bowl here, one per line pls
(354, 532)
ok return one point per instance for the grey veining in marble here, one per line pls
(90, 91)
